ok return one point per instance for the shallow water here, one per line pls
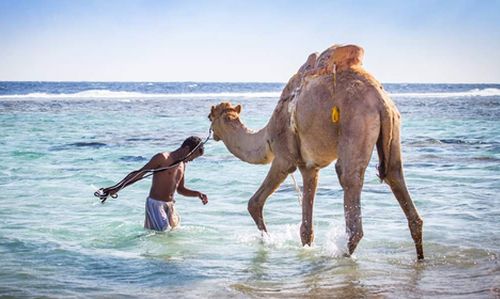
(60, 141)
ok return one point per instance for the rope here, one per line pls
(334, 78)
(149, 172)
(297, 188)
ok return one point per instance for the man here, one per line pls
(160, 211)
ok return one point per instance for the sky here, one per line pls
(445, 41)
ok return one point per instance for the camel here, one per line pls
(331, 109)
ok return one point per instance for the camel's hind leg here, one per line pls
(351, 179)
(310, 179)
(356, 143)
(396, 181)
(276, 175)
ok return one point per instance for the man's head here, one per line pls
(193, 143)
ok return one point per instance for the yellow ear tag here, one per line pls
(335, 114)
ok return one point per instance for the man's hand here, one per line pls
(203, 197)
(103, 193)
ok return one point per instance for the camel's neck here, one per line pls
(247, 145)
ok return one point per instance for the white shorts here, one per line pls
(157, 214)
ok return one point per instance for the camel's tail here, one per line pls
(388, 143)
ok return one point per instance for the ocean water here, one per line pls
(60, 141)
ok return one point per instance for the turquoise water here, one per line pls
(57, 240)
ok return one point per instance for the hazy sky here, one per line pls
(405, 41)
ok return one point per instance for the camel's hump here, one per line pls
(345, 57)
(336, 58)
(342, 57)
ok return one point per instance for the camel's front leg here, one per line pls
(276, 175)
(310, 179)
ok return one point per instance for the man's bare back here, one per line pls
(165, 183)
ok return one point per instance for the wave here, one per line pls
(485, 92)
(109, 94)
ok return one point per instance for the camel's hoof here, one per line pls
(308, 243)
(262, 227)
(256, 213)
(306, 236)
(307, 240)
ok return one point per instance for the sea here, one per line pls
(61, 141)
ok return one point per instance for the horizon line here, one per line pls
(211, 82)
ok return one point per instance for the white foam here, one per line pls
(336, 241)
(287, 235)
(485, 92)
(108, 94)
(282, 239)
(333, 243)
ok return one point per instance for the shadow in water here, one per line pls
(341, 280)
(257, 267)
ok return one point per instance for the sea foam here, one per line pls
(476, 92)
(109, 94)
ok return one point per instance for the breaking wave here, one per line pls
(108, 94)
(476, 92)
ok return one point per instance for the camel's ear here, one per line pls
(238, 109)
(211, 112)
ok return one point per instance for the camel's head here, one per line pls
(222, 114)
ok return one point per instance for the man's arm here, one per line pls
(181, 189)
(135, 175)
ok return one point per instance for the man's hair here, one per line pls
(191, 142)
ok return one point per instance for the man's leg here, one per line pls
(173, 218)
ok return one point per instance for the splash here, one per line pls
(336, 241)
(286, 236)
(333, 243)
